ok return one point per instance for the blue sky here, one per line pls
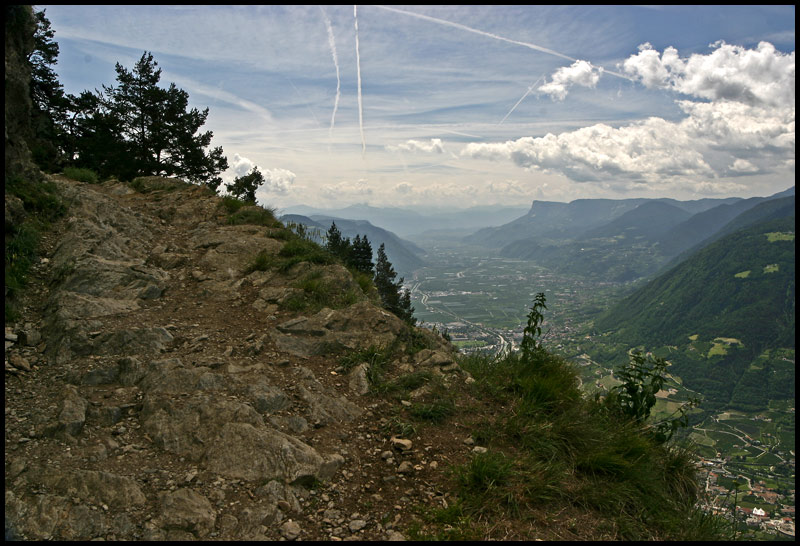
(468, 105)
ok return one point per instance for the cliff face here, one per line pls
(156, 390)
(20, 27)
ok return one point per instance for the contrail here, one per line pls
(358, 72)
(490, 35)
(332, 43)
(522, 99)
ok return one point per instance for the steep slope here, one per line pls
(157, 387)
(181, 375)
(711, 292)
(772, 208)
(646, 222)
(737, 292)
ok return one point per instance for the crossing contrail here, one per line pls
(522, 99)
(490, 35)
(332, 43)
(358, 72)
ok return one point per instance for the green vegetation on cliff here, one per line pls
(599, 463)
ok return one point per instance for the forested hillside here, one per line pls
(740, 290)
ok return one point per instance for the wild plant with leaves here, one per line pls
(635, 397)
(533, 330)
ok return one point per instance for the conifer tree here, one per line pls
(50, 104)
(361, 255)
(149, 130)
(390, 292)
(244, 187)
(337, 244)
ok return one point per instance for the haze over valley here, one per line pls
(726, 324)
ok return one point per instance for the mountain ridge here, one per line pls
(404, 255)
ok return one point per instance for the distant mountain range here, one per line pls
(406, 222)
(617, 240)
(404, 255)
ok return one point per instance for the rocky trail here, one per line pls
(156, 391)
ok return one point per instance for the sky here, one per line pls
(460, 106)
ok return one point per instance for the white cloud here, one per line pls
(434, 146)
(715, 139)
(506, 187)
(404, 188)
(578, 73)
(278, 181)
(761, 76)
(740, 128)
(743, 166)
(346, 190)
(745, 125)
(648, 150)
(240, 166)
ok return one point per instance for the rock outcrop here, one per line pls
(156, 390)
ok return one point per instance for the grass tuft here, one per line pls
(81, 175)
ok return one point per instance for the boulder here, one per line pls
(247, 452)
(187, 510)
(355, 327)
(91, 486)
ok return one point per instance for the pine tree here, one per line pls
(390, 292)
(244, 187)
(336, 244)
(149, 130)
(406, 310)
(361, 255)
(50, 104)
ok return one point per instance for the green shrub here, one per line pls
(40, 199)
(409, 382)
(435, 412)
(318, 292)
(232, 204)
(593, 453)
(20, 253)
(298, 250)
(81, 175)
(364, 280)
(263, 261)
(253, 215)
(42, 204)
(635, 397)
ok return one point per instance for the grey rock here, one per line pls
(90, 486)
(356, 525)
(290, 530)
(357, 379)
(19, 362)
(331, 466)
(256, 453)
(187, 510)
(72, 415)
(268, 399)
